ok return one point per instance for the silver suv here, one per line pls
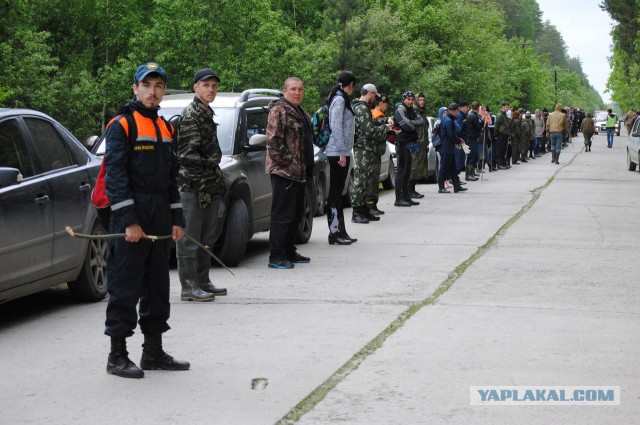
(246, 208)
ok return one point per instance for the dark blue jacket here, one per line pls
(461, 125)
(448, 135)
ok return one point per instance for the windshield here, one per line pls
(601, 116)
(224, 117)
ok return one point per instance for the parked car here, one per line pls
(433, 161)
(246, 207)
(600, 122)
(46, 178)
(633, 147)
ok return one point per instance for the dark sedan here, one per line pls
(46, 178)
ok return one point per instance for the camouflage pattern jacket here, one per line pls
(199, 153)
(286, 141)
(371, 133)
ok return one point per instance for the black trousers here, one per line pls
(403, 172)
(139, 272)
(337, 178)
(503, 141)
(287, 207)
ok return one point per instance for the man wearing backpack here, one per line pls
(370, 134)
(201, 188)
(142, 186)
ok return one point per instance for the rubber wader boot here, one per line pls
(341, 225)
(335, 236)
(358, 216)
(154, 357)
(373, 209)
(191, 291)
(202, 276)
(119, 363)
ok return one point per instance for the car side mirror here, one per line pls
(258, 141)
(91, 140)
(9, 176)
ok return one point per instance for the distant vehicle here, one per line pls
(600, 122)
(633, 147)
(246, 208)
(46, 178)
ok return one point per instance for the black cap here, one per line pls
(452, 107)
(149, 68)
(545, 110)
(464, 103)
(205, 74)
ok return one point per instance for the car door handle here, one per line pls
(85, 187)
(41, 200)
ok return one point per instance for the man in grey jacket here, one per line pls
(406, 143)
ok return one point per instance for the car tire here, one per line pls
(235, 233)
(91, 284)
(433, 178)
(390, 182)
(305, 227)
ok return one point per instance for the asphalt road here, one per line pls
(529, 278)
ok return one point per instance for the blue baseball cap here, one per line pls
(149, 68)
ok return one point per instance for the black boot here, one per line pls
(457, 187)
(204, 263)
(155, 358)
(333, 220)
(468, 174)
(342, 226)
(359, 216)
(373, 210)
(191, 291)
(412, 190)
(118, 363)
(401, 202)
(367, 213)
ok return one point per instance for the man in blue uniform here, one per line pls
(449, 139)
(141, 181)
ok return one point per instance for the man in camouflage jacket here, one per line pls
(289, 161)
(201, 187)
(370, 144)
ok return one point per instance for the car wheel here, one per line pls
(235, 233)
(631, 166)
(305, 227)
(433, 178)
(390, 182)
(346, 198)
(91, 284)
(319, 196)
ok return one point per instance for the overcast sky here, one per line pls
(586, 31)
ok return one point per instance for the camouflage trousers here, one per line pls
(366, 177)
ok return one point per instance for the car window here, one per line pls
(13, 148)
(51, 153)
(601, 116)
(256, 123)
(78, 152)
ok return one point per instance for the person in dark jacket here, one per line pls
(408, 120)
(289, 162)
(474, 130)
(449, 140)
(502, 131)
(462, 132)
(142, 186)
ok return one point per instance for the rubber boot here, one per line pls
(155, 358)
(187, 268)
(358, 216)
(335, 236)
(342, 226)
(119, 363)
(202, 276)
(412, 190)
(557, 157)
(370, 216)
(468, 175)
(474, 171)
(553, 157)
